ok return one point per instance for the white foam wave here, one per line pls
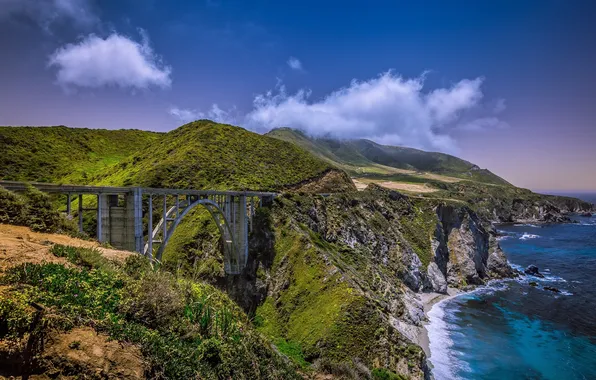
(441, 356)
(527, 236)
(515, 266)
(552, 278)
(527, 225)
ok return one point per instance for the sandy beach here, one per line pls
(428, 301)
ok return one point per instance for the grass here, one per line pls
(207, 155)
(366, 158)
(65, 155)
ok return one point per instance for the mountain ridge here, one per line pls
(362, 157)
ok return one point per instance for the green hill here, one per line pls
(364, 158)
(207, 155)
(61, 154)
(202, 154)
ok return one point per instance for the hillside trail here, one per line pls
(20, 245)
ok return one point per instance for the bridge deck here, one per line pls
(80, 189)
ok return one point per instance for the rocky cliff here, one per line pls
(334, 279)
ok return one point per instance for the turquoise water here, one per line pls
(511, 330)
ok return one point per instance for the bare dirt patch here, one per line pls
(20, 245)
(84, 351)
(361, 184)
(413, 187)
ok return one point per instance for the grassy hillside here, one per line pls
(61, 154)
(204, 154)
(364, 158)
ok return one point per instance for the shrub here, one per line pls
(33, 209)
(136, 266)
(42, 216)
(385, 374)
(13, 208)
(342, 370)
(154, 300)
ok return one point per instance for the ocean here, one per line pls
(512, 330)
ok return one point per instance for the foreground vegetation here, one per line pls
(184, 329)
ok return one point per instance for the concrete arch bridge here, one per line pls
(126, 215)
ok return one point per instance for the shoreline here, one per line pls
(429, 300)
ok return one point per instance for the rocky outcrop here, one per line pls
(330, 181)
(532, 270)
(464, 251)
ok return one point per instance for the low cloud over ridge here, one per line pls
(114, 61)
(389, 109)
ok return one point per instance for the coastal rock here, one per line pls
(436, 278)
(532, 270)
(552, 289)
(497, 261)
(463, 246)
(533, 283)
(586, 214)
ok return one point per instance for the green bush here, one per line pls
(33, 209)
(385, 374)
(13, 208)
(136, 266)
(42, 216)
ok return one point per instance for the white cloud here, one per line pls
(294, 63)
(49, 12)
(215, 114)
(388, 109)
(444, 104)
(114, 61)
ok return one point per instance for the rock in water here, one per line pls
(552, 289)
(532, 270)
(586, 214)
(533, 283)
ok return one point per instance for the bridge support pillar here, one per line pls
(103, 218)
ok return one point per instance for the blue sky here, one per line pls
(505, 84)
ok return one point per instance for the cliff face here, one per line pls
(465, 252)
(336, 277)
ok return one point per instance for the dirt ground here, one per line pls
(411, 187)
(84, 350)
(19, 245)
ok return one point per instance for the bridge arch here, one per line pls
(234, 260)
